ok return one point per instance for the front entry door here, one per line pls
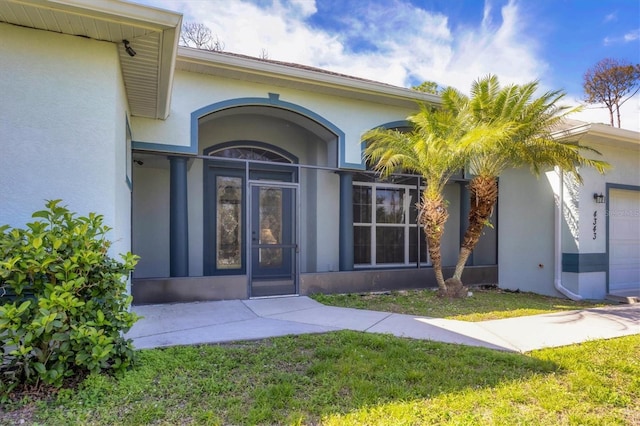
(273, 240)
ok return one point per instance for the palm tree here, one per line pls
(529, 144)
(431, 149)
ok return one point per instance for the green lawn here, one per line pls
(481, 306)
(356, 378)
(359, 378)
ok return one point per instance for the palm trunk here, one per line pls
(462, 261)
(433, 216)
(484, 194)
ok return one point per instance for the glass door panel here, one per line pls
(229, 222)
(273, 240)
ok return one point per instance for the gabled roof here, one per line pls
(152, 32)
(297, 76)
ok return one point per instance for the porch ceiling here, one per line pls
(153, 33)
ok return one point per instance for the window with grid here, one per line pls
(385, 225)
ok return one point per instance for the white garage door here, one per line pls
(624, 240)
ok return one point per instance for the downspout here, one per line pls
(557, 282)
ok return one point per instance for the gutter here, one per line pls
(559, 210)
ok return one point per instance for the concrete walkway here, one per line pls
(226, 321)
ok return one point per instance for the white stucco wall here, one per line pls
(526, 233)
(526, 225)
(625, 162)
(62, 127)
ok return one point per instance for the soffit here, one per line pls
(153, 34)
(299, 77)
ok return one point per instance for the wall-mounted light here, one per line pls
(128, 48)
(599, 198)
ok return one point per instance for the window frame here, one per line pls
(406, 225)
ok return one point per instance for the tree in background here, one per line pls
(198, 35)
(611, 82)
(429, 87)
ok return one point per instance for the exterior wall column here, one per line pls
(178, 218)
(346, 221)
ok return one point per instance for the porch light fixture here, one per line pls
(128, 48)
(599, 198)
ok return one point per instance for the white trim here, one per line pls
(147, 17)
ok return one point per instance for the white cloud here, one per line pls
(406, 44)
(632, 35)
(611, 17)
(503, 50)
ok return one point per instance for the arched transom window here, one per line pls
(249, 152)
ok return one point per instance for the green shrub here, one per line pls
(63, 301)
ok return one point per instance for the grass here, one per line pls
(355, 378)
(485, 304)
(347, 378)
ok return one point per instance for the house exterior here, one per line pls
(235, 177)
(594, 249)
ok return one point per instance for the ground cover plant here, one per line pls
(485, 304)
(357, 378)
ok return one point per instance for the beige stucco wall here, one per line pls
(63, 128)
(192, 91)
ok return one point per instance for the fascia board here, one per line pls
(167, 60)
(146, 17)
(600, 133)
(599, 130)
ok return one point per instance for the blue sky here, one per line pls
(452, 42)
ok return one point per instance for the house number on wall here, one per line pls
(595, 223)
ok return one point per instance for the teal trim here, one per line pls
(389, 125)
(585, 262)
(161, 147)
(396, 124)
(178, 218)
(608, 187)
(274, 101)
(622, 186)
